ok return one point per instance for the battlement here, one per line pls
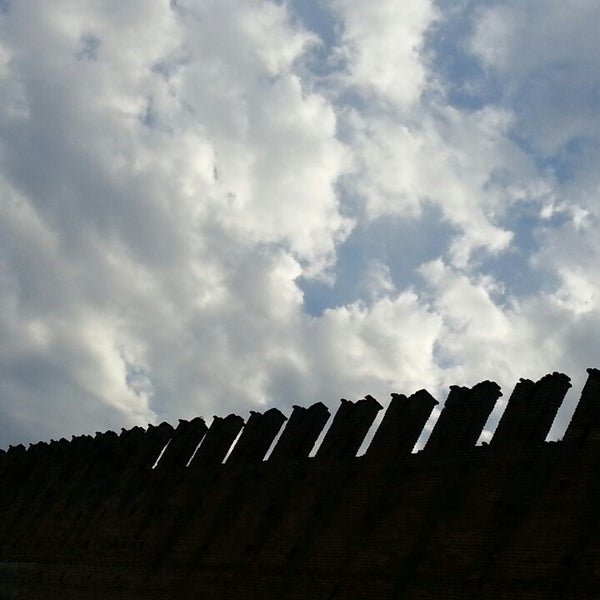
(259, 509)
(526, 421)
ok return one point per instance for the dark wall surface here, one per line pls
(515, 519)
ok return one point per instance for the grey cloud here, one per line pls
(546, 56)
(176, 189)
(401, 243)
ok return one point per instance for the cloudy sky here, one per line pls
(210, 206)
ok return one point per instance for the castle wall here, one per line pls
(517, 518)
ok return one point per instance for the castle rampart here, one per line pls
(197, 510)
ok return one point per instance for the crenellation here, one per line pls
(108, 453)
(463, 417)
(513, 519)
(402, 425)
(157, 436)
(301, 432)
(134, 443)
(130, 440)
(16, 459)
(217, 441)
(184, 441)
(530, 411)
(257, 436)
(349, 428)
(585, 423)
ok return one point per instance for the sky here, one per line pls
(215, 206)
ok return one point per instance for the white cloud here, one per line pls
(167, 183)
(459, 162)
(150, 169)
(376, 349)
(545, 53)
(381, 44)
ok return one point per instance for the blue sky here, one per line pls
(224, 206)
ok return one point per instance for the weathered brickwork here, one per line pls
(513, 519)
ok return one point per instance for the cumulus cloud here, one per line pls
(544, 54)
(150, 167)
(178, 193)
(381, 46)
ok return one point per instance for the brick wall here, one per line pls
(517, 518)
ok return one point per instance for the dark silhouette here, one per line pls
(102, 517)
